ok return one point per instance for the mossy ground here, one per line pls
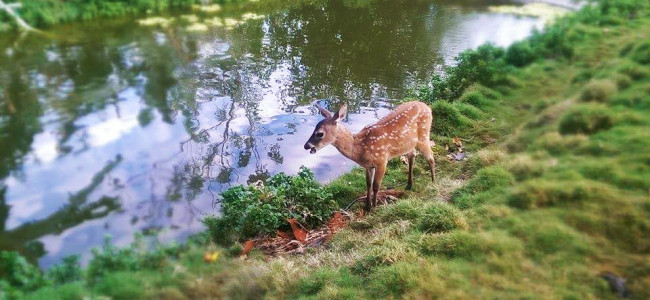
(548, 199)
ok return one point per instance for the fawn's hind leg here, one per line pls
(411, 160)
(425, 148)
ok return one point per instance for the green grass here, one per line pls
(554, 192)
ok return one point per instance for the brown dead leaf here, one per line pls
(284, 235)
(336, 223)
(248, 246)
(299, 233)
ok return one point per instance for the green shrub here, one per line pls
(19, 273)
(440, 217)
(69, 291)
(521, 54)
(485, 66)
(248, 211)
(447, 120)
(587, 119)
(67, 271)
(110, 258)
(601, 90)
(43, 13)
(121, 286)
(552, 43)
(542, 193)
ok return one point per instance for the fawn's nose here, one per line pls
(308, 146)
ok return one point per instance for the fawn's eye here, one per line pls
(319, 134)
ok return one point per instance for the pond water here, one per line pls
(114, 127)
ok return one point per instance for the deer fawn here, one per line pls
(403, 130)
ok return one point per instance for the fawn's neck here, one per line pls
(348, 144)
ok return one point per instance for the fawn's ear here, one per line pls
(340, 114)
(323, 111)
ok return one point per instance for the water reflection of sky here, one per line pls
(232, 112)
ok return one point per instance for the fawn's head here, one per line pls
(326, 130)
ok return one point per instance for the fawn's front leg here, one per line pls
(370, 177)
(380, 170)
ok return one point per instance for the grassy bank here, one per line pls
(43, 13)
(555, 192)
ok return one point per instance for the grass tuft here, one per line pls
(538, 193)
(601, 90)
(586, 119)
(441, 217)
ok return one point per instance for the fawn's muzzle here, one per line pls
(309, 146)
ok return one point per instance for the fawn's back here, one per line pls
(398, 133)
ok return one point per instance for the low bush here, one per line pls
(41, 13)
(586, 119)
(122, 286)
(69, 291)
(18, 273)
(485, 66)
(68, 270)
(521, 54)
(441, 217)
(248, 211)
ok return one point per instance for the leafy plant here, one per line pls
(485, 65)
(16, 271)
(67, 271)
(248, 211)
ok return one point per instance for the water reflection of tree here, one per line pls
(19, 118)
(76, 211)
(347, 49)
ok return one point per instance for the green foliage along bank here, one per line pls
(43, 13)
(250, 211)
(552, 196)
